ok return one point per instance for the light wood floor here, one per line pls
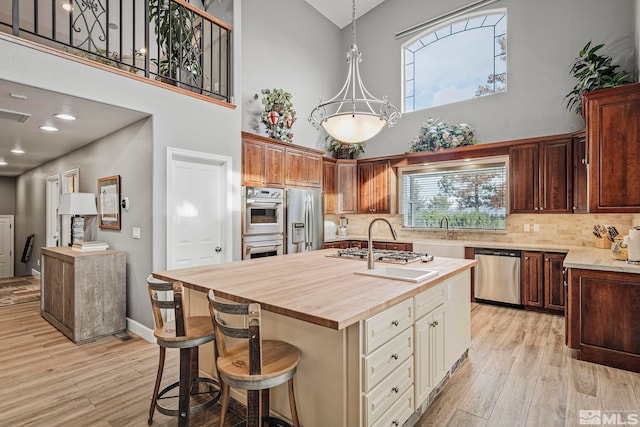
(518, 373)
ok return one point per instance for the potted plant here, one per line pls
(178, 38)
(278, 114)
(593, 72)
(435, 135)
(344, 150)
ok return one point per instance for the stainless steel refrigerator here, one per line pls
(304, 229)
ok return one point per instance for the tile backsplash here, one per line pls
(569, 229)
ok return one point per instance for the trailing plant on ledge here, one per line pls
(593, 72)
(344, 150)
(435, 135)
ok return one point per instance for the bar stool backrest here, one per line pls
(171, 301)
(251, 312)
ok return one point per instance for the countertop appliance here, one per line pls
(497, 276)
(304, 229)
(383, 255)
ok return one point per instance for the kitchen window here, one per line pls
(471, 195)
(460, 60)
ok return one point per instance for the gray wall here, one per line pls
(544, 37)
(178, 121)
(636, 73)
(7, 195)
(127, 153)
(289, 45)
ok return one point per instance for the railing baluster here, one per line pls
(147, 53)
(53, 24)
(15, 17)
(35, 16)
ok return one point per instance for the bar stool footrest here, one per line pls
(195, 409)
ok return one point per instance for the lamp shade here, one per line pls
(77, 204)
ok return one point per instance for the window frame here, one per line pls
(451, 165)
(431, 29)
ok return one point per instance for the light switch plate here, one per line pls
(536, 227)
(136, 232)
(527, 228)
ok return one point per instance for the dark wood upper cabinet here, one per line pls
(541, 177)
(340, 186)
(580, 171)
(329, 187)
(613, 137)
(303, 169)
(374, 184)
(262, 163)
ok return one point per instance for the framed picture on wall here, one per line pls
(109, 202)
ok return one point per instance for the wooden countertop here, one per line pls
(311, 286)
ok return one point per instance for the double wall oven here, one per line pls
(263, 222)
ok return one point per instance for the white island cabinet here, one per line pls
(373, 350)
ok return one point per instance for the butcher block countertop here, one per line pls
(311, 286)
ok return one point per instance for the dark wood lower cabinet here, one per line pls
(602, 312)
(543, 281)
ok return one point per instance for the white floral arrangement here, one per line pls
(435, 135)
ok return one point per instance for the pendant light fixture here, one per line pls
(354, 115)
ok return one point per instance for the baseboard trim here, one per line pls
(140, 330)
(35, 273)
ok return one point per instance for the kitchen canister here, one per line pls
(619, 248)
(633, 245)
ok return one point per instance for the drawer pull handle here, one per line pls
(395, 389)
(395, 356)
(435, 323)
(395, 423)
(395, 323)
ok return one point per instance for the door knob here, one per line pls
(218, 249)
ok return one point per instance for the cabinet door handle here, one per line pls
(395, 423)
(541, 208)
(395, 389)
(395, 356)
(395, 323)
(535, 209)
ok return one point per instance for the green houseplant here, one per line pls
(593, 72)
(178, 37)
(343, 150)
(435, 135)
(278, 114)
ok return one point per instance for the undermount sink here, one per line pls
(397, 273)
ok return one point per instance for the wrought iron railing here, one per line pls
(165, 40)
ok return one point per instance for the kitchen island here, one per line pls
(374, 350)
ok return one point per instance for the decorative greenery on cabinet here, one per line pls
(435, 135)
(278, 115)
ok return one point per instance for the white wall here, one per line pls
(178, 121)
(544, 36)
(7, 195)
(289, 45)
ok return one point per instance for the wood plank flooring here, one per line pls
(519, 373)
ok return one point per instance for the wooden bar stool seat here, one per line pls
(254, 365)
(187, 334)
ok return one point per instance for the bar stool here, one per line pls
(254, 365)
(185, 333)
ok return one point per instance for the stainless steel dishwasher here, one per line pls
(497, 276)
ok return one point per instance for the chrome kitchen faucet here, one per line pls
(370, 257)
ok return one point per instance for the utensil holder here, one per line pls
(603, 243)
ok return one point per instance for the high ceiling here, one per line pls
(94, 121)
(339, 11)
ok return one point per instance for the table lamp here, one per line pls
(77, 204)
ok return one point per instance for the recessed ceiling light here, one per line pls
(67, 6)
(49, 128)
(64, 116)
(17, 151)
(3, 163)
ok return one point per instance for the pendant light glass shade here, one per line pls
(354, 114)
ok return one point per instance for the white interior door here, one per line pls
(198, 209)
(6, 246)
(52, 222)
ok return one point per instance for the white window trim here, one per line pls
(431, 29)
(452, 164)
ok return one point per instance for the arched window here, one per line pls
(460, 60)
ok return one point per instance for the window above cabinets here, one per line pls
(460, 60)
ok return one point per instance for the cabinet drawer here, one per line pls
(380, 245)
(399, 412)
(428, 300)
(387, 358)
(397, 246)
(386, 325)
(385, 394)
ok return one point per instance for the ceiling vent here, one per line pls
(14, 116)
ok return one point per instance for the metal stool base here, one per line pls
(195, 409)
